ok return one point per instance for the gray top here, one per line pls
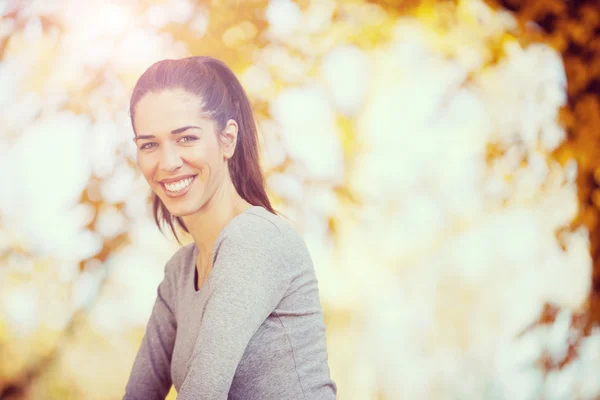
(254, 330)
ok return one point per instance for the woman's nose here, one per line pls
(170, 160)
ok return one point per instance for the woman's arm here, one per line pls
(249, 279)
(150, 376)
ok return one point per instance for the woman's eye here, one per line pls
(147, 146)
(188, 139)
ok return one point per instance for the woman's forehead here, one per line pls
(164, 111)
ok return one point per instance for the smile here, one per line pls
(178, 188)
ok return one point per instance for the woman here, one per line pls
(237, 314)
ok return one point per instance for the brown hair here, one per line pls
(223, 99)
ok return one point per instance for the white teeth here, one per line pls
(179, 186)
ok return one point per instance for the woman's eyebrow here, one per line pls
(183, 129)
(173, 132)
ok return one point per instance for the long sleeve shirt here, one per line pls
(254, 330)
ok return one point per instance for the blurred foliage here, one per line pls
(573, 29)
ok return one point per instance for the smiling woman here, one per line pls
(238, 313)
(172, 155)
(198, 97)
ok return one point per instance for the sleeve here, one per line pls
(248, 282)
(150, 376)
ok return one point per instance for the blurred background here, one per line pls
(440, 158)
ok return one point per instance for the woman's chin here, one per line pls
(181, 206)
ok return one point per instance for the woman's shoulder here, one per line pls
(258, 228)
(258, 233)
(264, 225)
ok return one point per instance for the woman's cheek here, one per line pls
(146, 168)
(202, 175)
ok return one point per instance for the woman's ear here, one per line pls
(229, 138)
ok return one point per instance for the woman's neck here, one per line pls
(206, 225)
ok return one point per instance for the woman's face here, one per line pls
(179, 150)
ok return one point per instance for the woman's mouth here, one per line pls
(178, 188)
